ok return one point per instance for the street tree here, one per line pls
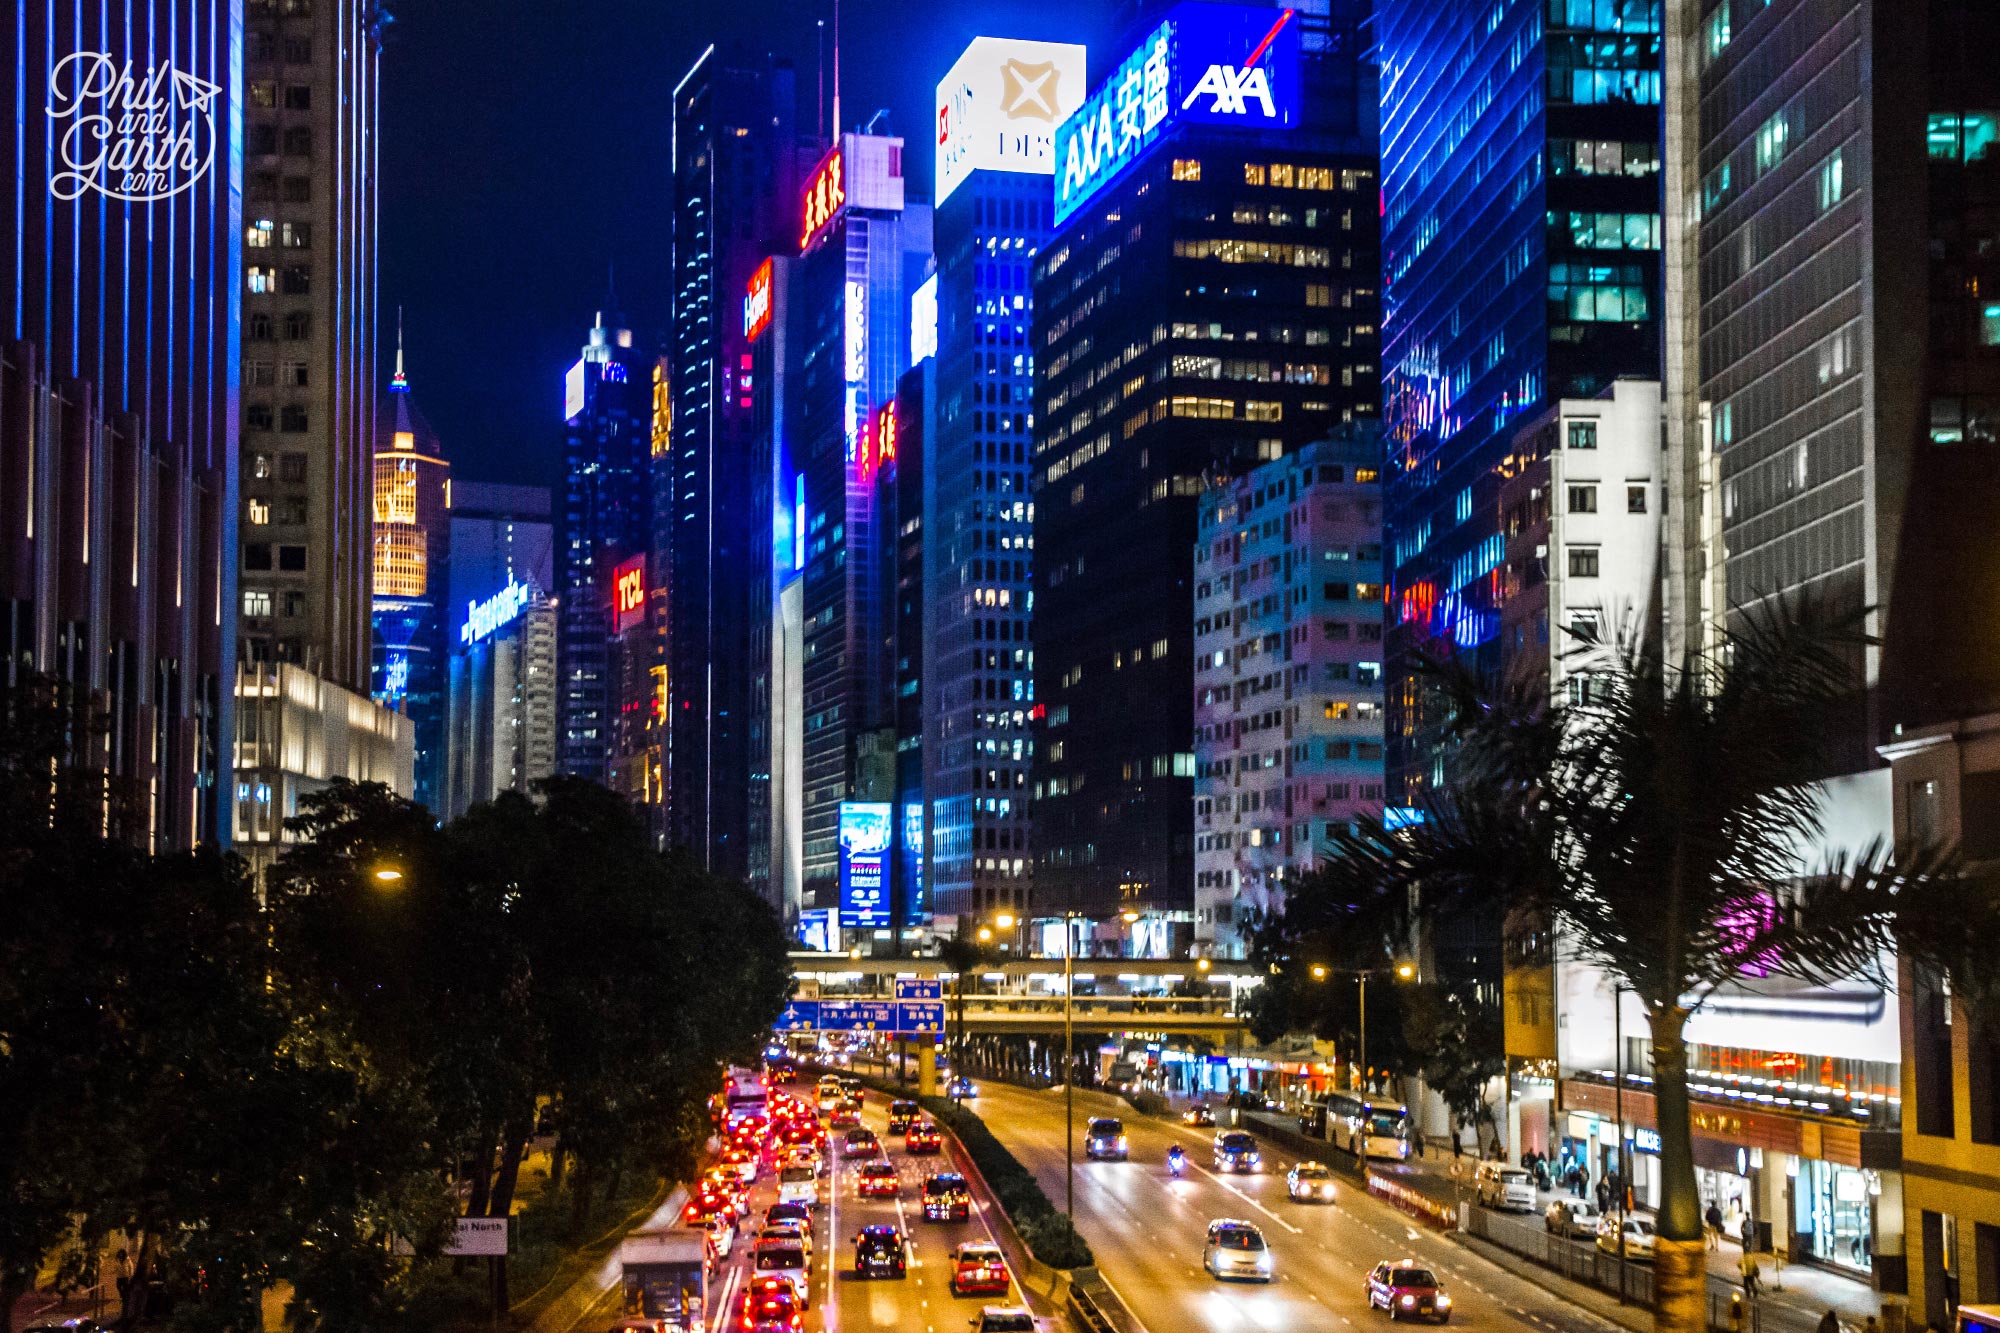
(1659, 824)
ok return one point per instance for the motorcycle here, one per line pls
(1176, 1163)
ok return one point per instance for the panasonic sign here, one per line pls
(482, 618)
(1230, 65)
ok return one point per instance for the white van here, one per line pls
(1506, 1187)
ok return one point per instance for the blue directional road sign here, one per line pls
(857, 1015)
(919, 988)
(921, 1018)
(799, 1016)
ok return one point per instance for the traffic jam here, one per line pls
(811, 1188)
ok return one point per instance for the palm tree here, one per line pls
(1657, 826)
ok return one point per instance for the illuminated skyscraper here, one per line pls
(605, 520)
(1521, 256)
(863, 252)
(119, 392)
(411, 568)
(1207, 302)
(736, 169)
(997, 111)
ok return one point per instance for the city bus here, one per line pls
(1366, 1127)
(744, 1095)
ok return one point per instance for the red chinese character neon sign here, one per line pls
(823, 198)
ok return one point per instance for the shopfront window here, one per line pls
(1835, 1209)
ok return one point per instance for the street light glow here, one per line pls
(1319, 972)
(1005, 920)
(1130, 917)
(388, 875)
(1405, 971)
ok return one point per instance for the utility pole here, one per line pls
(1069, 1080)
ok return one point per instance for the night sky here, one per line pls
(525, 150)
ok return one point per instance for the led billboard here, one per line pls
(865, 836)
(1206, 64)
(998, 108)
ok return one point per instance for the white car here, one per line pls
(1236, 1249)
(1638, 1233)
(1572, 1217)
(789, 1229)
(1309, 1182)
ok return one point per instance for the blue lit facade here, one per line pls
(120, 345)
(979, 652)
(1521, 235)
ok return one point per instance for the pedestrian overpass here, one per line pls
(1025, 995)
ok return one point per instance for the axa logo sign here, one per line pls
(1234, 90)
(136, 135)
(1215, 64)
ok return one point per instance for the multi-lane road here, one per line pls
(922, 1302)
(1148, 1230)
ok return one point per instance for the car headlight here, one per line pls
(1264, 1260)
(1407, 1300)
(1121, 1141)
(1444, 1301)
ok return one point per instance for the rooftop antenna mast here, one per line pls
(836, 71)
(819, 103)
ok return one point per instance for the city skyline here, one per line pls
(481, 158)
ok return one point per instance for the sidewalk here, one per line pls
(1793, 1299)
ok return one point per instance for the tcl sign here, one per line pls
(628, 594)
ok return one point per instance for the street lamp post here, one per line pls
(1401, 971)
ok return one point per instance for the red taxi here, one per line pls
(978, 1266)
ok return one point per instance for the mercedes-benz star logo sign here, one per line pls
(1028, 92)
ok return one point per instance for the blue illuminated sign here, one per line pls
(1231, 65)
(865, 836)
(502, 608)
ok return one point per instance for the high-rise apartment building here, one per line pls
(736, 164)
(308, 327)
(997, 112)
(119, 392)
(1288, 675)
(863, 251)
(606, 519)
(1521, 245)
(411, 575)
(1208, 301)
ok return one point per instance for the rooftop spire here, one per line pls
(400, 380)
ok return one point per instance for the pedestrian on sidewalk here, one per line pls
(1828, 1322)
(1751, 1277)
(1603, 1195)
(1713, 1218)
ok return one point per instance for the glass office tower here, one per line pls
(1521, 242)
